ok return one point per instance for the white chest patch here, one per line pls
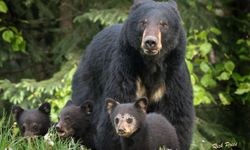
(155, 95)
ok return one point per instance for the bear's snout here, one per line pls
(151, 41)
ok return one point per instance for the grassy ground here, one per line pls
(10, 139)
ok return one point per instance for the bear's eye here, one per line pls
(163, 25)
(116, 120)
(67, 119)
(129, 120)
(35, 127)
(143, 23)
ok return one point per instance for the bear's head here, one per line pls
(127, 118)
(74, 120)
(153, 28)
(33, 122)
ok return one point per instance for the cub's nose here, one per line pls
(150, 42)
(58, 127)
(121, 131)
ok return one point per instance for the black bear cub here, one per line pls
(34, 122)
(138, 130)
(75, 121)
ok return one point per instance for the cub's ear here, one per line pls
(69, 103)
(87, 107)
(110, 104)
(142, 104)
(45, 108)
(17, 111)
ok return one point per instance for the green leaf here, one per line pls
(248, 42)
(243, 88)
(3, 7)
(201, 95)
(224, 76)
(203, 34)
(191, 52)
(190, 65)
(8, 35)
(204, 67)
(205, 48)
(240, 41)
(225, 99)
(229, 66)
(208, 81)
(215, 31)
(2, 28)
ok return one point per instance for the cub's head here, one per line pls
(126, 118)
(33, 122)
(74, 120)
(153, 27)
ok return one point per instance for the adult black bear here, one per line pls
(33, 122)
(138, 130)
(75, 121)
(145, 56)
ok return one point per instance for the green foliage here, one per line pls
(206, 74)
(10, 34)
(201, 70)
(208, 135)
(14, 38)
(105, 16)
(3, 7)
(30, 93)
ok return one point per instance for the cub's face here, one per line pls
(126, 118)
(156, 26)
(33, 122)
(125, 124)
(74, 120)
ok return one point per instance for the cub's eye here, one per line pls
(67, 118)
(163, 25)
(116, 120)
(129, 120)
(35, 127)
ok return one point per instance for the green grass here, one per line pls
(10, 139)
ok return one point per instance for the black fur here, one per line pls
(113, 62)
(154, 130)
(74, 121)
(33, 122)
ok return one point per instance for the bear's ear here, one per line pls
(142, 104)
(173, 3)
(137, 3)
(87, 107)
(17, 111)
(110, 104)
(174, 6)
(45, 108)
(69, 103)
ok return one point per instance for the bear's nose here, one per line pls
(121, 131)
(58, 127)
(150, 42)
